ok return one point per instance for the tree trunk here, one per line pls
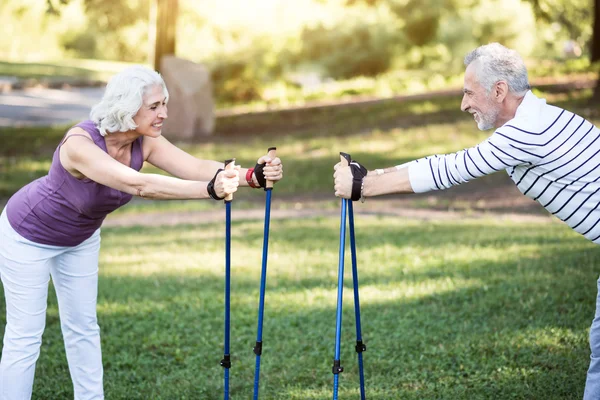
(595, 50)
(163, 28)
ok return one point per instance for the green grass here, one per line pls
(63, 70)
(469, 309)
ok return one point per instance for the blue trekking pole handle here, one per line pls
(337, 368)
(226, 361)
(360, 346)
(263, 278)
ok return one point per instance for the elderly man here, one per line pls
(551, 154)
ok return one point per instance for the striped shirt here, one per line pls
(551, 154)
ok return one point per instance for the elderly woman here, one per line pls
(51, 227)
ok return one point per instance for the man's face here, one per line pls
(478, 102)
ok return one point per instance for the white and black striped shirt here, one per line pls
(551, 154)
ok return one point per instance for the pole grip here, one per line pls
(272, 153)
(229, 165)
(345, 159)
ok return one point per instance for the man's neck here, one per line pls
(509, 109)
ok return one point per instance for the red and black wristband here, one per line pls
(249, 178)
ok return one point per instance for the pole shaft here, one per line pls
(263, 284)
(340, 293)
(356, 297)
(227, 291)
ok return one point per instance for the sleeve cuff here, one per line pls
(419, 175)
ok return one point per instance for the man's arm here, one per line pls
(374, 184)
(437, 172)
(394, 181)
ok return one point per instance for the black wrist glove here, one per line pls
(358, 173)
(260, 175)
(210, 188)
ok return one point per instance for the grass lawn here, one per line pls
(63, 70)
(469, 309)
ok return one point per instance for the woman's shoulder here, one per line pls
(87, 129)
(82, 132)
(91, 128)
(74, 132)
(77, 130)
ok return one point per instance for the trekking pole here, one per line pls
(226, 361)
(337, 368)
(360, 346)
(263, 278)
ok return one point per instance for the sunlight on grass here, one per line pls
(460, 309)
(66, 69)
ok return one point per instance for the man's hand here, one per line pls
(342, 181)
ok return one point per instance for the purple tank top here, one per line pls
(61, 210)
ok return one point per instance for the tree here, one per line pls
(108, 18)
(163, 28)
(595, 47)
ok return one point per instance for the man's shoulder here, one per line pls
(537, 117)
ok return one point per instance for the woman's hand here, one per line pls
(268, 169)
(227, 182)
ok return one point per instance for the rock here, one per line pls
(191, 105)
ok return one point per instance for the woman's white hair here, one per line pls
(123, 97)
(494, 63)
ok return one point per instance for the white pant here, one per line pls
(25, 270)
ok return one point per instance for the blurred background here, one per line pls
(265, 53)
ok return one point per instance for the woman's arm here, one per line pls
(164, 155)
(79, 155)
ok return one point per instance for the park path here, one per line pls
(45, 106)
(173, 218)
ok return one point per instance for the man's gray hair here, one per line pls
(498, 63)
(123, 97)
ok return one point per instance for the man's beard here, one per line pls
(488, 120)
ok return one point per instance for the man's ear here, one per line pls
(500, 91)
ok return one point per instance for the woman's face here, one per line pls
(151, 115)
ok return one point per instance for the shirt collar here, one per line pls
(530, 102)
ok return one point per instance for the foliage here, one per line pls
(573, 17)
(29, 32)
(240, 77)
(355, 46)
(286, 51)
(112, 30)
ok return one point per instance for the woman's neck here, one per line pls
(118, 140)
